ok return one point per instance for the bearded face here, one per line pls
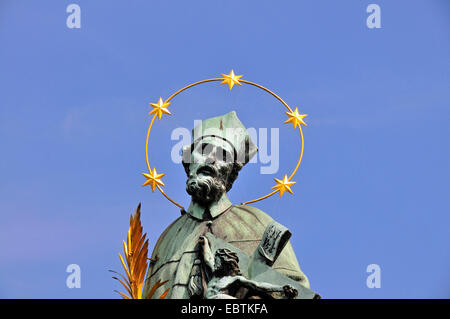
(210, 170)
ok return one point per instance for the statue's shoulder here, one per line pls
(245, 211)
(241, 223)
(175, 224)
(173, 228)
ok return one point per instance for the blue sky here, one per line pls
(375, 179)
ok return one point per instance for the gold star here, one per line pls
(283, 185)
(160, 108)
(231, 79)
(153, 179)
(295, 118)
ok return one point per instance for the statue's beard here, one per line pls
(207, 185)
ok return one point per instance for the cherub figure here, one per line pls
(227, 279)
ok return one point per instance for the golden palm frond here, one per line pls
(135, 262)
(156, 286)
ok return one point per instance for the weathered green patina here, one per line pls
(220, 149)
(177, 249)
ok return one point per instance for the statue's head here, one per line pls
(212, 162)
(226, 262)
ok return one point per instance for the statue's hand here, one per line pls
(290, 291)
(202, 240)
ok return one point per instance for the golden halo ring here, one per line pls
(154, 179)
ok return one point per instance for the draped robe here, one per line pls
(177, 250)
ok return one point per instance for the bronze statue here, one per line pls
(221, 147)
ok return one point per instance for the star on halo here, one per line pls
(295, 118)
(283, 185)
(160, 108)
(153, 179)
(231, 79)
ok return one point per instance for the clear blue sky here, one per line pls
(375, 179)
